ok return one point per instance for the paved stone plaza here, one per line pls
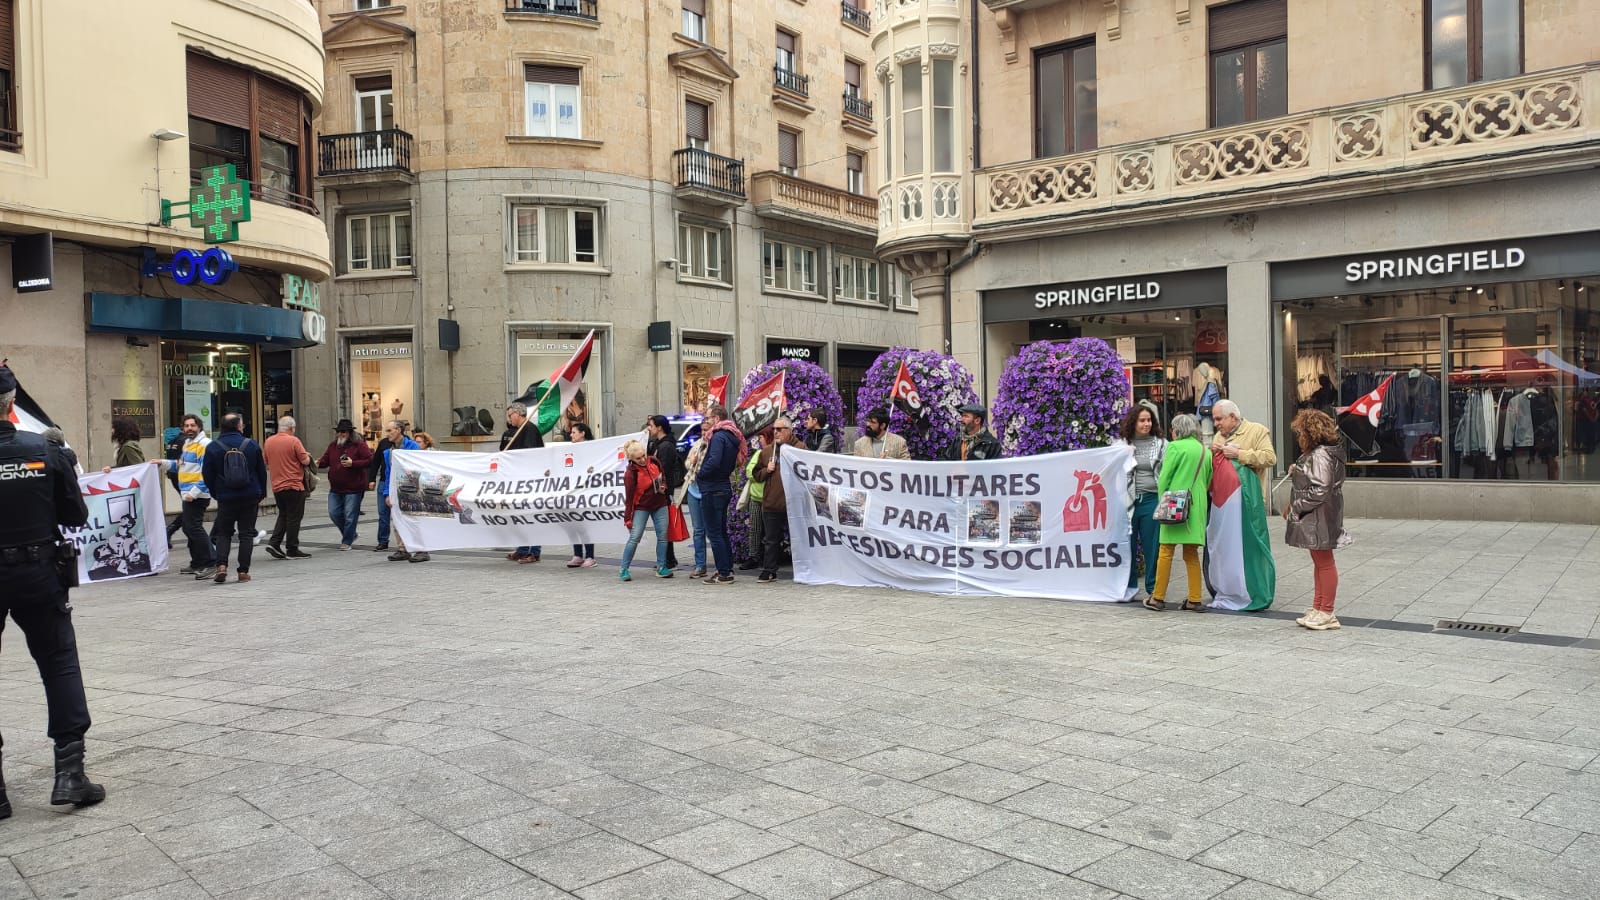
(347, 727)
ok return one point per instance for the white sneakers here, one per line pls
(1317, 620)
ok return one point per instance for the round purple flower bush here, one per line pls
(1060, 395)
(806, 386)
(944, 385)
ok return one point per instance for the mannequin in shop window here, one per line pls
(1408, 425)
(397, 408)
(1208, 389)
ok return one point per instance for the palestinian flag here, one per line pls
(1239, 569)
(28, 415)
(563, 388)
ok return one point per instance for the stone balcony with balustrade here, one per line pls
(1518, 126)
(783, 196)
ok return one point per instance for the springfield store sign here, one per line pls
(1517, 259)
(1202, 287)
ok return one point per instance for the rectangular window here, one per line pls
(887, 96)
(788, 267)
(852, 79)
(911, 114)
(855, 278)
(694, 20)
(1249, 61)
(788, 152)
(1064, 100)
(701, 251)
(554, 102)
(944, 115)
(855, 175)
(380, 242)
(697, 124)
(786, 52)
(555, 235)
(10, 136)
(371, 4)
(898, 288)
(1473, 40)
(215, 144)
(258, 124)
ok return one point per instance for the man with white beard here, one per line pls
(346, 460)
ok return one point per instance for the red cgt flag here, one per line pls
(905, 395)
(1371, 404)
(761, 407)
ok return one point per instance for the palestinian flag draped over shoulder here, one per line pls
(1239, 567)
(563, 388)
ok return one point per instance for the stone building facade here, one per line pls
(499, 177)
(1294, 202)
(96, 323)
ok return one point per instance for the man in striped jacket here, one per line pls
(192, 487)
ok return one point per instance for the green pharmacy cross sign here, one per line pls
(216, 205)
(238, 376)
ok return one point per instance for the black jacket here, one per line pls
(527, 440)
(984, 446)
(38, 490)
(665, 451)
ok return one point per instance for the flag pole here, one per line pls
(548, 388)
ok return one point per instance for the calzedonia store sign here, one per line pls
(1389, 271)
(1169, 290)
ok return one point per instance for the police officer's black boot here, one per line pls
(72, 786)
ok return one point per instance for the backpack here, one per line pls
(236, 468)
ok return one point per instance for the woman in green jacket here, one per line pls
(1186, 466)
(125, 434)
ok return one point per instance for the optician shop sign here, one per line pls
(1170, 290)
(1523, 259)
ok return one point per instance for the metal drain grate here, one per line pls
(1475, 627)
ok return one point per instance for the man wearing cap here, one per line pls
(974, 441)
(40, 494)
(346, 460)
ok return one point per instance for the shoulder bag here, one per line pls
(1173, 507)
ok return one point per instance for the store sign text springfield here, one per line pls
(1412, 265)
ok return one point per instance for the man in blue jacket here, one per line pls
(723, 455)
(235, 473)
(398, 440)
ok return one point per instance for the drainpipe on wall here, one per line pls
(650, 154)
(973, 246)
(977, 118)
(449, 302)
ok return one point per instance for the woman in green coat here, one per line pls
(125, 434)
(1186, 466)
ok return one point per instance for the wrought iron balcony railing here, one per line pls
(793, 82)
(388, 150)
(696, 168)
(577, 9)
(851, 14)
(855, 105)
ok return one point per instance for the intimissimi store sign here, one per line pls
(1135, 293)
(1390, 271)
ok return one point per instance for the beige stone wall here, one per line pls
(1152, 79)
(89, 169)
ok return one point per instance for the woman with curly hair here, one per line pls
(1141, 431)
(125, 434)
(1315, 513)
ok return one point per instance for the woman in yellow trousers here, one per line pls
(1187, 466)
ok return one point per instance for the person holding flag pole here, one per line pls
(543, 414)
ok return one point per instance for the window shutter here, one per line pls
(552, 74)
(697, 7)
(852, 162)
(374, 82)
(280, 111)
(8, 52)
(852, 73)
(218, 91)
(786, 41)
(788, 149)
(1247, 22)
(697, 120)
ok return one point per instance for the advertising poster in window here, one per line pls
(701, 363)
(538, 358)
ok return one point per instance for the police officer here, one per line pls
(39, 492)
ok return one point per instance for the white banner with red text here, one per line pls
(561, 494)
(126, 536)
(1052, 526)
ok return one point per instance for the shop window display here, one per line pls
(1488, 382)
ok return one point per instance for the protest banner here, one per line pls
(126, 535)
(560, 494)
(1052, 526)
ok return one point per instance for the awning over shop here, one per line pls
(198, 320)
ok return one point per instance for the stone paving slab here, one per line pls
(349, 727)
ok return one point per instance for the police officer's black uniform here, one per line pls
(39, 493)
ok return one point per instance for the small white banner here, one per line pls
(126, 536)
(1052, 526)
(562, 494)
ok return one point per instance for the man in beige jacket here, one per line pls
(1248, 442)
(877, 441)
